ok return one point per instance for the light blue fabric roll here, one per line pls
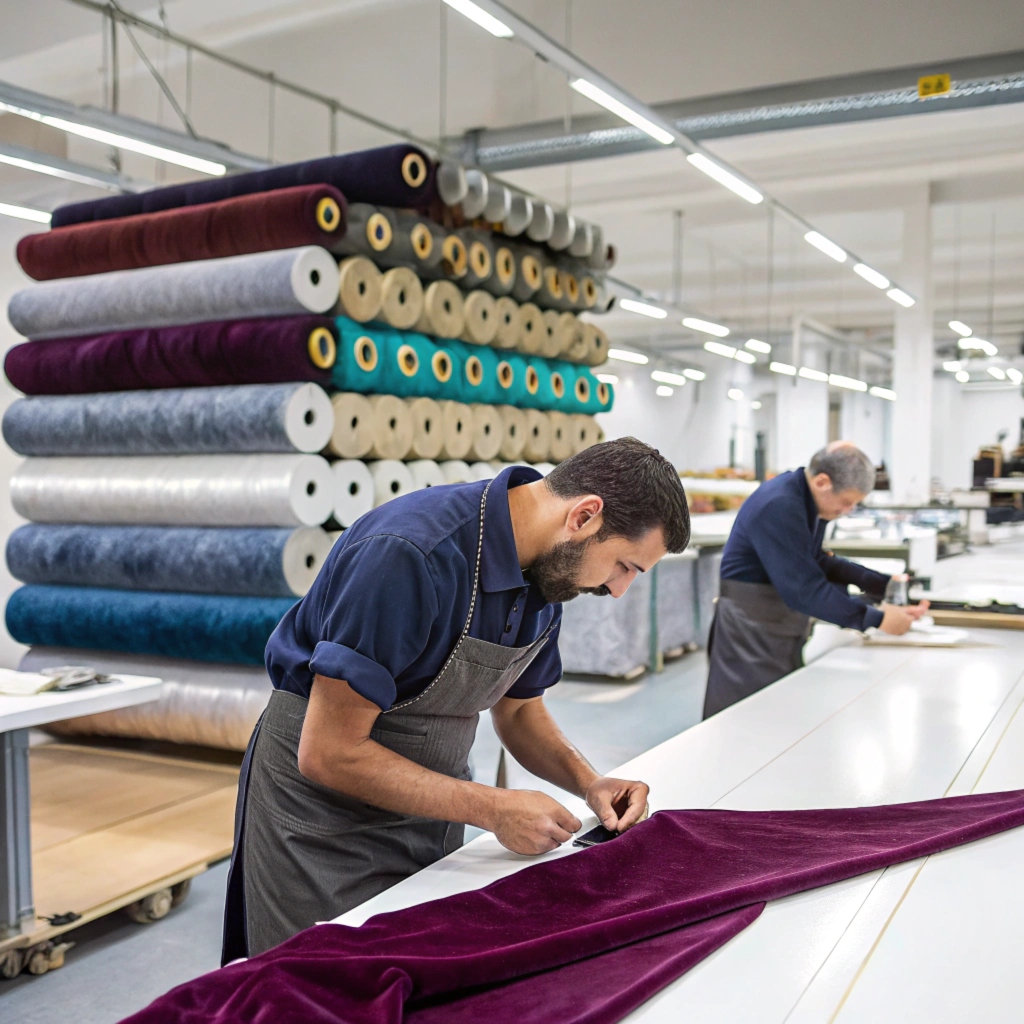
(360, 362)
(175, 421)
(253, 562)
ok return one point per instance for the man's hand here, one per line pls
(529, 822)
(617, 803)
(897, 619)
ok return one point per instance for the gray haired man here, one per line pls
(776, 578)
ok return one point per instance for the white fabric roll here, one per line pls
(303, 557)
(487, 433)
(176, 490)
(456, 430)
(352, 437)
(557, 333)
(510, 323)
(562, 436)
(427, 428)
(426, 473)
(452, 186)
(499, 202)
(353, 490)
(474, 202)
(585, 432)
(542, 223)
(481, 318)
(538, 436)
(392, 427)
(582, 244)
(513, 432)
(563, 231)
(520, 215)
(543, 467)
(360, 289)
(482, 471)
(309, 418)
(533, 330)
(456, 471)
(391, 479)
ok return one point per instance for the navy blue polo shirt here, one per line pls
(777, 539)
(392, 598)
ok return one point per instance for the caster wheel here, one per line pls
(11, 963)
(179, 892)
(38, 959)
(153, 907)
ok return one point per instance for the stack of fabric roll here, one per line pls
(223, 374)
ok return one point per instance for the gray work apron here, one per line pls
(312, 853)
(755, 640)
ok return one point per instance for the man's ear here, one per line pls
(584, 518)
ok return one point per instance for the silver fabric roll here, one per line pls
(176, 490)
(280, 283)
(520, 215)
(542, 223)
(391, 479)
(202, 704)
(499, 202)
(426, 473)
(452, 185)
(477, 191)
(175, 421)
(563, 231)
(582, 244)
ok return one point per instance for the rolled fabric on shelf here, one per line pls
(487, 432)
(605, 396)
(516, 393)
(426, 473)
(543, 467)
(361, 356)
(454, 261)
(567, 327)
(562, 437)
(598, 258)
(427, 428)
(456, 430)
(499, 202)
(590, 292)
(474, 202)
(476, 372)
(456, 471)
(360, 289)
(479, 257)
(391, 479)
(510, 324)
(550, 294)
(285, 219)
(417, 243)
(481, 316)
(582, 244)
(508, 389)
(503, 276)
(397, 175)
(442, 314)
(392, 428)
(580, 347)
(561, 331)
(481, 471)
(352, 435)
(529, 275)
(597, 345)
(563, 231)
(586, 432)
(370, 233)
(202, 627)
(513, 434)
(284, 283)
(519, 216)
(354, 490)
(559, 387)
(541, 395)
(533, 331)
(401, 298)
(256, 562)
(198, 355)
(452, 184)
(538, 436)
(414, 366)
(175, 490)
(178, 421)
(570, 287)
(542, 223)
(577, 387)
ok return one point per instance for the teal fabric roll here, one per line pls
(517, 394)
(567, 403)
(594, 401)
(544, 398)
(605, 396)
(360, 363)
(478, 373)
(408, 365)
(201, 627)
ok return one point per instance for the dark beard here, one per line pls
(556, 573)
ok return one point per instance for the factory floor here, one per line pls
(117, 966)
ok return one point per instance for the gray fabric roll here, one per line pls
(678, 613)
(177, 421)
(280, 283)
(202, 704)
(247, 562)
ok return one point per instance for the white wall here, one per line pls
(865, 421)
(801, 422)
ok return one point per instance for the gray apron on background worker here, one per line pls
(312, 853)
(755, 640)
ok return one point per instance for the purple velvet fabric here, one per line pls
(595, 933)
(197, 355)
(369, 176)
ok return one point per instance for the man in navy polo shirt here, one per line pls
(430, 609)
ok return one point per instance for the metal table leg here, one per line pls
(17, 912)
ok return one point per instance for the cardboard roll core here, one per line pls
(422, 241)
(506, 375)
(532, 380)
(582, 389)
(570, 286)
(328, 214)
(323, 351)
(360, 288)
(453, 260)
(474, 371)
(529, 270)
(588, 291)
(408, 361)
(603, 393)
(505, 266)
(366, 354)
(557, 385)
(414, 170)
(480, 260)
(378, 232)
(441, 364)
(552, 282)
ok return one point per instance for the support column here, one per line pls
(16, 911)
(914, 357)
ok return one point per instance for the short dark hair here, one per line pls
(640, 488)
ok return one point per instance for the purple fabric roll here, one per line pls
(400, 175)
(653, 901)
(198, 355)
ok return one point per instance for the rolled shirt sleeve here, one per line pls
(845, 572)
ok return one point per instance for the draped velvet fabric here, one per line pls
(284, 219)
(369, 176)
(196, 355)
(584, 938)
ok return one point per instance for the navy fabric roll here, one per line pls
(399, 175)
(246, 562)
(234, 630)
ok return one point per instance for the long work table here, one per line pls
(933, 940)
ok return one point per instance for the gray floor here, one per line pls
(118, 966)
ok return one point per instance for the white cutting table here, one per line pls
(931, 941)
(17, 716)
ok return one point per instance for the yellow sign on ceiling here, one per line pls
(934, 85)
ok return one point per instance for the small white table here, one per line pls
(17, 716)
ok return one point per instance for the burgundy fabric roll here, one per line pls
(400, 175)
(198, 355)
(649, 904)
(283, 219)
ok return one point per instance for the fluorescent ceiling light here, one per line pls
(643, 308)
(745, 357)
(755, 405)
(758, 346)
(789, 371)
(664, 377)
(735, 394)
(886, 393)
(608, 378)
(1014, 375)
(827, 246)
(24, 213)
(625, 356)
(850, 383)
(56, 167)
(719, 349)
(961, 328)
(871, 276)
(726, 178)
(978, 345)
(900, 296)
(663, 391)
(620, 109)
(963, 376)
(705, 327)
(952, 366)
(694, 374)
(809, 374)
(481, 17)
(996, 372)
